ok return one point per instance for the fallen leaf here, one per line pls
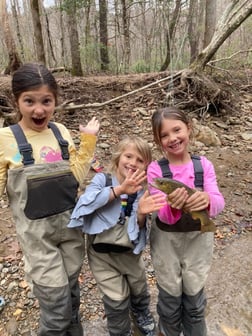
(231, 332)
(17, 312)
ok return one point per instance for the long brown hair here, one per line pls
(170, 112)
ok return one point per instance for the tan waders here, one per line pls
(42, 197)
(122, 282)
(181, 273)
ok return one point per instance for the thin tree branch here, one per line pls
(229, 57)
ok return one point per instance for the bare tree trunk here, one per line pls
(103, 35)
(236, 13)
(170, 34)
(62, 36)
(50, 52)
(39, 43)
(74, 40)
(193, 29)
(116, 36)
(14, 59)
(14, 6)
(87, 31)
(126, 35)
(210, 21)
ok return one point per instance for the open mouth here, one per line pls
(38, 122)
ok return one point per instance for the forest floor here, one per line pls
(229, 286)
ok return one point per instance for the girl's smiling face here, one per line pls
(36, 107)
(130, 159)
(174, 136)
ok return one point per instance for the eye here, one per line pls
(48, 101)
(28, 101)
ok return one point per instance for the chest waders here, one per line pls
(186, 223)
(181, 257)
(42, 197)
(120, 276)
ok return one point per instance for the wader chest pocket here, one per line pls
(50, 195)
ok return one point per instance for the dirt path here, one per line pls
(228, 290)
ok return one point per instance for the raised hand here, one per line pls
(92, 127)
(132, 182)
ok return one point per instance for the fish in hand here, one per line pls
(168, 185)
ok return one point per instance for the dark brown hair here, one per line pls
(32, 76)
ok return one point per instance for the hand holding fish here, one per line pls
(177, 198)
(197, 201)
(194, 201)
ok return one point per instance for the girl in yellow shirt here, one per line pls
(41, 171)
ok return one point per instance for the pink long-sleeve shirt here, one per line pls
(185, 173)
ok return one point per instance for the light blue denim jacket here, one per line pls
(95, 214)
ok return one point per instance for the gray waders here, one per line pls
(42, 197)
(173, 318)
(118, 313)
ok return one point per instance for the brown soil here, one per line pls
(229, 286)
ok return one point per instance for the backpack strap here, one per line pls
(198, 170)
(24, 147)
(62, 142)
(131, 198)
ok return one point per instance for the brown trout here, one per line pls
(169, 185)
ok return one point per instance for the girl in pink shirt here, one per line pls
(181, 253)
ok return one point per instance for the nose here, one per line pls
(133, 162)
(172, 137)
(38, 108)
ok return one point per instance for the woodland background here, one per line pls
(124, 36)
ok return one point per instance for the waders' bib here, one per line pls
(42, 197)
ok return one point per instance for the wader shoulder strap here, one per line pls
(24, 147)
(198, 170)
(130, 200)
(164, 165)
(62, 142)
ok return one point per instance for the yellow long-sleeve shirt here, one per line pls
(45, 149)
